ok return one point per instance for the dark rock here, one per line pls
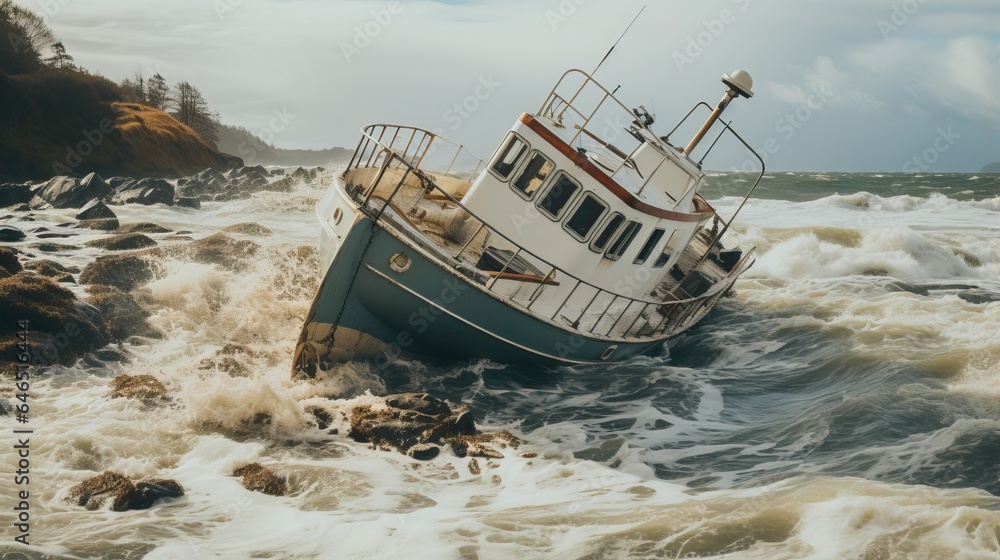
(68, 192)
(322, 417)
(144, 227)
(63, 328)
(10, 234)
(222, 250)
(145, 388)
(420, 402)
(95, 210)
(54, 235)
(51, 269)
(146, 192)
(66, 279)
(116, 182)
(123, 316)
(123, 242)
(415, 419)
(232, 359)
(258, 478)
(423, 451)
(249, 228)
(9, 261)
(188, 202)
(104, 224)
(54, 247)
(6, 409)
(120, 493)
(60, 192)
(125, 272)
(96, 185)
(153, 489)
(11, 194)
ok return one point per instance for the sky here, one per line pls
(840, 85)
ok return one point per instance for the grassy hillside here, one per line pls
(61, 122)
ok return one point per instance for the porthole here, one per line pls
(609, 352)
(400, 262)
(338, 215)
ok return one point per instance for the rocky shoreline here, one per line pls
(89, 311)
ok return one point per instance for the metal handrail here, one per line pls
(691, 303)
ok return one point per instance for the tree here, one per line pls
(24, 39)
(157, 92)
(189, 107)
(60, 59)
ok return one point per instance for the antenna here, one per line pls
(601, 63)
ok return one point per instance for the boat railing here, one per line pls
(592, 310)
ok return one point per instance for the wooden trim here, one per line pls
(619, 191)
(522, 278)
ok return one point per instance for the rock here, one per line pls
(249, 228)
(51, 269)
(95, 210)
(6, 409)
(145, 388)
(125, 272)
(483, 445)
(68, 192)
(231, 359)
(222, 250)
(10, 234)
(424, 451)
(11, 194)
(54, 247)
(62, 328)
(188, 202)
(409, 420)
(9, 261)
(104, 224)
(123, 316)
(116, 182)
(123, 242)
(120, 493)
(55, 235)
(146, 192)
(96, 185)
(258, 478)
(144, 227)
(322, 417)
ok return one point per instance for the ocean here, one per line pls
(844, 403)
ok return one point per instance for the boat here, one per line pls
(583, 240)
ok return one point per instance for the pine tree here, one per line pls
(189, 107)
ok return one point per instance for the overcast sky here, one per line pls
(899, 79)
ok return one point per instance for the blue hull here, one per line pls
(365, 309)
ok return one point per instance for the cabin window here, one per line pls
(624, 239)
(588, 212)
(651, 243)
(509, 156)
(557, 198)
(533, 175)
(668, 250)
(610, 228)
